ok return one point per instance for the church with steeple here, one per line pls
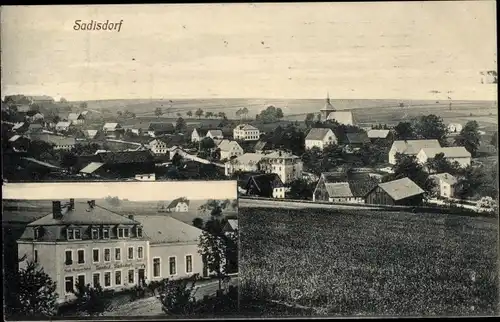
(328, 112)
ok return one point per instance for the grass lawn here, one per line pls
(370, 263)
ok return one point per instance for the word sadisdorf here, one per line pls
(94, 25)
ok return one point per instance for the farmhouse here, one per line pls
(453, 154)
(60, 142)
(320, 137)
(410, 147)
(173, 248)
(454, 128)
(445, 184)
(112, 129)
(288, 166)
(229, 149)
(356, 140)
(37, 117)
(178, 205)
(402, 192)
(160, 128)
(267, 185)
(215, 134)
(247, 162)
(63, 126)
(158, 146)
(343, 187)
(246, 132)
(83, 242)
(76, 118)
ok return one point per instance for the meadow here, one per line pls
(351, 263)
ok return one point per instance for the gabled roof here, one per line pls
(332, 177)
(216, 133)
(227, 145)
(165, 229)
(318, 133)
(342, 117)
(262, 145)
(91, 167)
(412, 147)
(74, 116)
(248, 158)
(265, 183)
(339, 190)
(58, 140)
(449, 152)
(445, 177)
(378, 134)
(280, 155)
(110, 126)
(124, 157)
(357, 138)
(245, 127)
(401, 188)
(177, 201)
(84, 215)
(201, 132)
(63, 124)
(91, 133)
(161, 127)
(233, 223)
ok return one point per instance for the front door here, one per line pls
(141, 276)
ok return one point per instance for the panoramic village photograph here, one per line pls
(361, 140)
(115, 256)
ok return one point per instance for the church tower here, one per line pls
(327, 109)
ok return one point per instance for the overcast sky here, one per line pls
(294, 50)
(134, 191)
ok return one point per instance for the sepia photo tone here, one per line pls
(360, 138)
(112, 252)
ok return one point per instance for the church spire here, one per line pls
(327, 97)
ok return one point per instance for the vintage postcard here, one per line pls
(361, 140)
(103, 249)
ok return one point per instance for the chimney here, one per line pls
(131, 217)
(71, 204)
(56, 210)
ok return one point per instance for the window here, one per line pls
(118, 277)
(107, 254)
(131, 253)
(69, 257)
(172, 265)
(68, 284)
(140, 254)
(131, 274)
(70, 234)
(96, 279)
(156, 267)
(139, 232)
(35, 256)
(81, 256)
(95, 233)
(120, 232)
(77, 234)
(118, 254)
(95, 255)
(105, 233)
(107, 279)
(126, 232)
(189, 264)
(81, 279)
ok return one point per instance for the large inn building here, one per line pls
(83, 242)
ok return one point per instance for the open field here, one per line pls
(348, 262)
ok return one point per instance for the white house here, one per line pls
(229, 149)
(157, 146)
(452, 154)
(248, 162)
(445, 184)
(286, 165)
(198, 134)
(179, 205)
(246, 132)
(111, 127)
(63, 126)
(410, 147)
(454, 128)
(320, 137)
(215, 134)
(76, 118)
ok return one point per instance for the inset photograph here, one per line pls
(120, 249)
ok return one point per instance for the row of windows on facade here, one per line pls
(96, 257)
(96, 277)
(96, 233)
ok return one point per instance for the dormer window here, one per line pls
(120, 232)
(70, 234)
(105, 233)
(95, 233)
(139, 231)
(126, 232)
(78, 234)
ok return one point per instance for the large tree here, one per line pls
(404, 131)
(309, 119)
(90, 300)
(469, 182)
(440, 164)
(469, 137)
(180, 125)
(158, 112)
(431, 127)
(199, 113)
(269, 115)
(177, 296)
(35, 294)
(301, 189)
(189, 113)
